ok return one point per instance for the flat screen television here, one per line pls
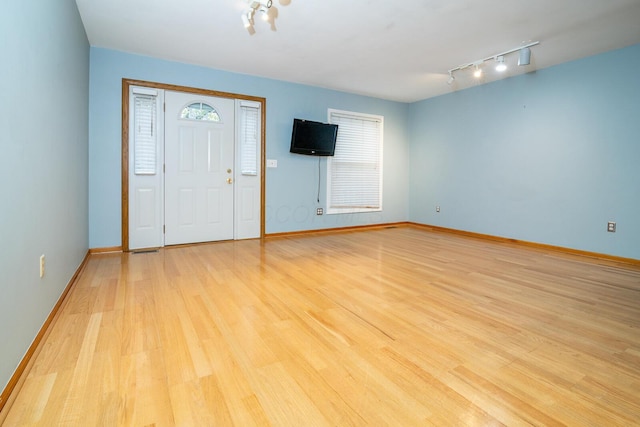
(313, 138)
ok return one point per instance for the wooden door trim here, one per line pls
(126, 84)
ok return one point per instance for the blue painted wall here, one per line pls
(44, 90)
(546, 157)
(291, 189)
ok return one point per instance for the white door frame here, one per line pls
(126, 84)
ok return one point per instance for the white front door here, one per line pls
(199, 162)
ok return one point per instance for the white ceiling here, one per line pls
(396, 50)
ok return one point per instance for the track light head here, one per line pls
(451, 78)
(501, 65)
(525, 57)
(256, 5)
(265, 12)
(245, 20)
(477, 73)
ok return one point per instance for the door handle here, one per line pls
(229, 181)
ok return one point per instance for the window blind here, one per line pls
(355, 171)
(249, 137)
(145, 136)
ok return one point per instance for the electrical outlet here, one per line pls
(41, 266)
(319, 211)
(437, 208)
(611, 227)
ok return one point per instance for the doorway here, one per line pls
(194, 171)
(199, 164)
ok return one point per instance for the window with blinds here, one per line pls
(145, 135)
(249, 137)
(354, 173)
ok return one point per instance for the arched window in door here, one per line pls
(200, 111)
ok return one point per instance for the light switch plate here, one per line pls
(271, 163)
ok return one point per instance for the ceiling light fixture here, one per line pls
(246, 20)
(254, 6)
(525, 56)
(451, 78)
(478, 72)
(524, 59)
(265, 12)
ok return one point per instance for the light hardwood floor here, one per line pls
(395, 326)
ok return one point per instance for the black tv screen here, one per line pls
(313, 138)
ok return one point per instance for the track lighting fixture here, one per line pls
(262, 6)
(245, 20)
(265, 13)
(524, 59)
(451, 78)
(525, 56)
(478, 72)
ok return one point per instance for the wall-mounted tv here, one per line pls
(313, 138)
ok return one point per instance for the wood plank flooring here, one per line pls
(395, 326)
